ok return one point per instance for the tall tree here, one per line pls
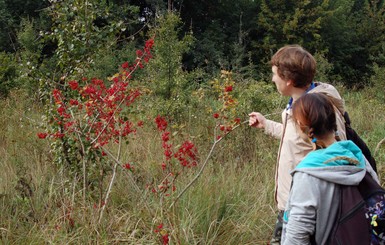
(170, 46)
(354, 35)
(223, 30)
(11, 14)
(284, 22)
(373, 26)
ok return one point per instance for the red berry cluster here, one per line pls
(186, 155)
(187, 152)
(165, 237)
(225, 116)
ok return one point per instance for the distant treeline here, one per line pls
(42, 39)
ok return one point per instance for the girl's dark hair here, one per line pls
(315, 112)
(296, 64)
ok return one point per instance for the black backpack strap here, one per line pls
(347, 118)
(368, 186)
(352, 135)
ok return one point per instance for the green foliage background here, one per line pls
(44, 44)
(53, 39)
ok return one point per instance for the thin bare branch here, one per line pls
(216, 141)
(111, 181)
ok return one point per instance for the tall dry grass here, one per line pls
(230, 203)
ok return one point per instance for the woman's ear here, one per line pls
(310, 133)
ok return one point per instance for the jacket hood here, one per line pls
(330, 91)
(341, 163)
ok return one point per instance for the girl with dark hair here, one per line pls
(314, 196)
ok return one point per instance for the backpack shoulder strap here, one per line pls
(347, 118)
(368, 186)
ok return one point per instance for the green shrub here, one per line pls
(8, 73)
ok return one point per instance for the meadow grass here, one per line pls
(230, 203)
(366, 113)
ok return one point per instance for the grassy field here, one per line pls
(230, 203)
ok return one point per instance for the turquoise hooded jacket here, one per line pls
(314, 196)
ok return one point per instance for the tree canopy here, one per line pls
(71, 36)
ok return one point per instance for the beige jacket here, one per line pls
(293, 148)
